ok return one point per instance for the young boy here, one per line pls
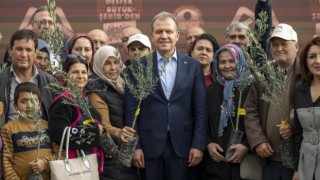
(20, 137)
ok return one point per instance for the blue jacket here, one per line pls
(185, 111)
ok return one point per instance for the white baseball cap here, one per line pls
(284, 31)
(140, 38)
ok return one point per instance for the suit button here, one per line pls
(168, 104)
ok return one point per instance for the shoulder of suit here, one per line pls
(184, 57)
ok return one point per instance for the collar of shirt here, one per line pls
(289, 69)
(34, 69)
(174, 56)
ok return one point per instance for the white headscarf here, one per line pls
(100, 57)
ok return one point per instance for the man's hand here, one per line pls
(214, 151)
(239, 151)
(285, 131)
(138, 158)
(264, 150)
(195, 157)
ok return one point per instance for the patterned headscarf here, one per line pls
(100, 58)
(72, 39)
(227, 108)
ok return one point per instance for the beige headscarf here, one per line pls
(100, 57)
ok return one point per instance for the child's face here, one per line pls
(25, 103)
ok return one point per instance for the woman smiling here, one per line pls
(106, 91)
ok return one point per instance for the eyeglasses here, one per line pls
(73, 56)
(45, 22)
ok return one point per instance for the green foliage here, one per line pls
(255, 36)
(140, 80)
(143, 80)
(55, 40)
(53, 37)
(273, 78)
(3, 66)
(76, 97)
(34, 113)
(246, 80)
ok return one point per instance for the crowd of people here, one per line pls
(184, 125)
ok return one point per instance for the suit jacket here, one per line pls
(185, 111)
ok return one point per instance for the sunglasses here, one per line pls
(45, 22)
(73, 57)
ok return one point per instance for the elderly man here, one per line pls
(22, 51)
(99, 38)
(173, 121)
(237, 34)
(263, 121)
(42, 21)
(43, 24)
(126, 34)
(192, 34)
(138, 45)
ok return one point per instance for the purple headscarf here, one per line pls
(227, 108)
(72, 39)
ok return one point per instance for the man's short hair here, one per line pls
(24, 34)
(164, 15)
(239, 26)
(39, 9)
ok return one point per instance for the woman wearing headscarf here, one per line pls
(229, 66)
(67, 110)
(81, 44)
(106, 92)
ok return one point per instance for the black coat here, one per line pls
(222, 170)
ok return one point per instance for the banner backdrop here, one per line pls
(114, 15)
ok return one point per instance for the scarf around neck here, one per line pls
(227, 107)
(100, 57)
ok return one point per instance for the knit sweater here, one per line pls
(20, 139)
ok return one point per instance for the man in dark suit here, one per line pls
(173, 119)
